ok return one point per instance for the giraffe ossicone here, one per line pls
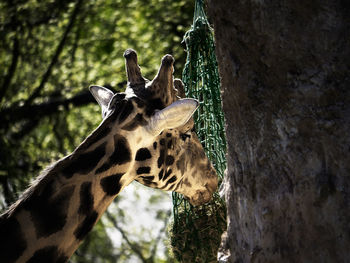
(147, 134)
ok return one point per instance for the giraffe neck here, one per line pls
(63, 204)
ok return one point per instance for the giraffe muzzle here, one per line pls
(200, 197)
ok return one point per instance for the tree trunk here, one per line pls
(284, 68)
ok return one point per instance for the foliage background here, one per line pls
(50, 52)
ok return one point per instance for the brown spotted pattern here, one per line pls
(133, 142)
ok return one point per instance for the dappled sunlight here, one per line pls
(142, 213)
(51, 52)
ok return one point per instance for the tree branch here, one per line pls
(14, 114)
(12, 69)
(59, 49)
(162, 230)
(133, 246)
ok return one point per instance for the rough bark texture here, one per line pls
(284, 68)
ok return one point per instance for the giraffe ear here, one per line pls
(102, 96)
(173, 116)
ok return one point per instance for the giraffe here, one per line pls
(146, 134)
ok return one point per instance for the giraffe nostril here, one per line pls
(212, 185)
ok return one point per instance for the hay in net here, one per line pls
(196, 231)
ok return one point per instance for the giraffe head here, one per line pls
(154, 131)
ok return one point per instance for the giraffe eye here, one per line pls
(186, 135)
(117, 99)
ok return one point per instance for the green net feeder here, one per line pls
(195, 234)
